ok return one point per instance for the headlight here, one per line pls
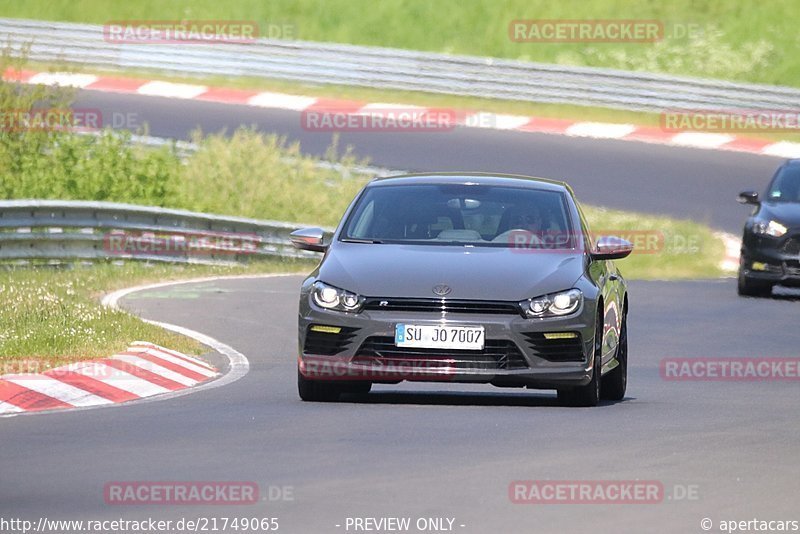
(333, 298)
(554, 304)
(771, 228)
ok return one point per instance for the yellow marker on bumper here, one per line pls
(560, 335)
(326, 329)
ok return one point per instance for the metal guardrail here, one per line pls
(58, 230)
(396, 69)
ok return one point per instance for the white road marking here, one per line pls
(600, 130)
(783, 149)
(385, 107)
(281, 101)
(499, 121)
(65, 79)
(8, 408)
(173, 90)
(701, 139)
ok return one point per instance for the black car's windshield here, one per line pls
(458, 214)
(786, 185)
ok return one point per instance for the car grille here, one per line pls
(792, 267)
(792, 245)
(496, 354)
(556, 350)
(443, 306)
(327, 343)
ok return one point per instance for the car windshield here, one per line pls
(459, 214)
(786, 185)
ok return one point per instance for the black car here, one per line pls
(771, 242)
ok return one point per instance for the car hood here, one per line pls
(481, 273)
(786, 213)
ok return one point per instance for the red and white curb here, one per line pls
(467, 118)
(733, 247)
(141, 371)
(238, 364)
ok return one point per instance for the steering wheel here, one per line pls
(531, 239)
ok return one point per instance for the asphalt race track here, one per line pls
(683, 182)
(433, 450)
(721, 450)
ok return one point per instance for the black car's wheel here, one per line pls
(318, 391)
(616, 381)
(588, 395)
(747, 287)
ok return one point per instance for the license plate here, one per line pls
(439, 336)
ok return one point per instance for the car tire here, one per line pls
(589, 394)
(747, 287)
(616, 381)
(356, 388)
(315, 390)
(319, 391)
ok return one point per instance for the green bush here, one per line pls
(248, 173)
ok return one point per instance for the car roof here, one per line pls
(480, 178)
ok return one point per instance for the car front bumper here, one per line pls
(771, 260)
(516, 354)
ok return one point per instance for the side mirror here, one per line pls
(748, 197)
(611, 248)
(309, 239)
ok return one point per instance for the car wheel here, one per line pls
(319, 391)
(356, 388)
(588, 395)
(315, 390)
(616, 381)
(747, 287)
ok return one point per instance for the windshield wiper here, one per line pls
(357, 240)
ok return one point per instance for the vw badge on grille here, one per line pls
(441, 290)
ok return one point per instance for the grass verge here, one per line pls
(666, 248)
(745, 40)
(52, 316)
